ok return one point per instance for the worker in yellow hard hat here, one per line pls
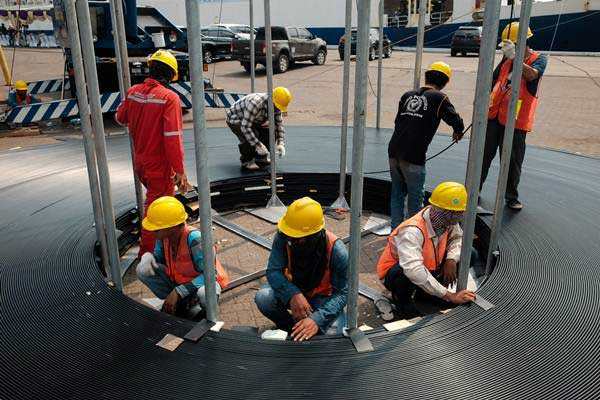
(20, 95)
(248, 119)
(419, 114)
(174, 270)
(152, 111)
(422, 253)
(534, 65)
(307, 274)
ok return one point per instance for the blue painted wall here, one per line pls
(576, 32)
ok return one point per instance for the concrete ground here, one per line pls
(568, 117)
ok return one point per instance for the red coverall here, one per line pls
(153, 114)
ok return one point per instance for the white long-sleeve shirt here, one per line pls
(408, 244)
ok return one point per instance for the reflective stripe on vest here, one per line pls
(325, 288)
(431, 259)
(500, 98)
(181, 269)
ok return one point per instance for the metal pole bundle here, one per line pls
(195, 52)
(420, 43)
(86, 129)
(341, 203)
(509, 130)
(480, 112)
(118, 23)
(358, 144)
(89, 61)
(380, 65)
(252, 50)
(274, 200)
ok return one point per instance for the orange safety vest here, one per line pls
(181, 269)
(431, 258)
(501, 95)
(324, 288)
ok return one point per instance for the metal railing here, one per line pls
(438, 18)
(396, 21)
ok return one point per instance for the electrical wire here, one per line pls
(430, 158)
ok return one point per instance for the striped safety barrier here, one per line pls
(109, 101)
(48, 86)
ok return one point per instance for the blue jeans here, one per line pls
(271, 307)
(161, 285)
(407, 179)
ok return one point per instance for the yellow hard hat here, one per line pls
(449, 196)
(166, 57)
(442, 67)
(164, 212)
(281, 98)
(303, 217)
(21, 85)
(514, 32)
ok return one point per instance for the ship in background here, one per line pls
(573, 24)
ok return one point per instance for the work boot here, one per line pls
(514, 204)
(263, 161)
(250, 166)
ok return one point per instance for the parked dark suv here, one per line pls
(373, 47)
(290, 44)
(216, 43)
(466, 39)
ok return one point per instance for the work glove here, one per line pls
(508, 48)
(147, 265)
(261, 150)
(281, 150)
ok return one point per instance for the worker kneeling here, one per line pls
(307, 275)
(422, 253)
(175, 271)
(20, 96)
(248, 119)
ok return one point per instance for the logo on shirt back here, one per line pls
(414, 106)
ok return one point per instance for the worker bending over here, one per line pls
(174, 271)
(534, 66)
(152, 112)
(20, 96)
(422, 252)
(307, 274)
(419, 114)
(248, 119)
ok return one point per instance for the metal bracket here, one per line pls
(361, 343)
(199, 330)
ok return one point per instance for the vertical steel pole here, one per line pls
(480, 112)
(86, 129)
(89, 60)
(195, 50)
(123, 73)
(358, 145)
(274, 200)
(420, 43)
(341, 203)
(380, 65)
(509, 130)
(252, 50)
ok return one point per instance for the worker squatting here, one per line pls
(307, 270)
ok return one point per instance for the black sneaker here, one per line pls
(514, 204)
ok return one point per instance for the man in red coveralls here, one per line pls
(153, 114)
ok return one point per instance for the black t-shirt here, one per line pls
(419, 115)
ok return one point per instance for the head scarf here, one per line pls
(442, 219)
(308, 260)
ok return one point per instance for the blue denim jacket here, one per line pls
(195, 247)
(284, 289)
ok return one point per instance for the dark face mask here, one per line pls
(308, 260)
(441, 219)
